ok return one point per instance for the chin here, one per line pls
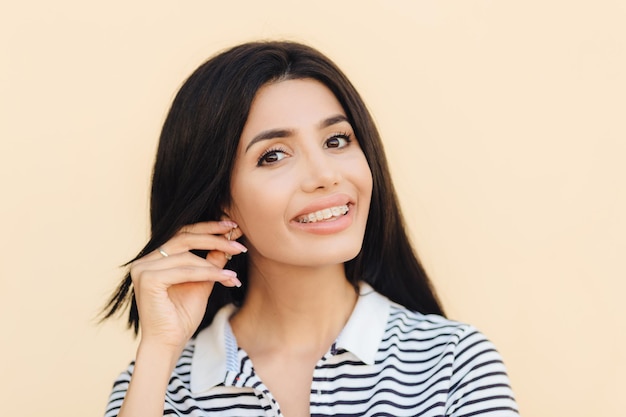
(332, 257)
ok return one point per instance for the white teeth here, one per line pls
(324, 214)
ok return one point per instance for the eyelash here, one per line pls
(340, 135)
(261, 161)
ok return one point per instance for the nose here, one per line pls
(320, 171)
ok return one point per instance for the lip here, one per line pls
(326, 227)
(324, 203)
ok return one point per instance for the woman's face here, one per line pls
(300, 187)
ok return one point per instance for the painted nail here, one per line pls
(238, 245)
(236, 282)
(228, 223)
(229, 273)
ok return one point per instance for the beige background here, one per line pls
(504, 123)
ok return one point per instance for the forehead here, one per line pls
(291, 104)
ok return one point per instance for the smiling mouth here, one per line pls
(330, 213)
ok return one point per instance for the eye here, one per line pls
(338, 140)
(271, 156)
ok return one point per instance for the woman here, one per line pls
(271, 199)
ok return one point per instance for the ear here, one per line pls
(230, 213)
(235, 233)
(225, 216)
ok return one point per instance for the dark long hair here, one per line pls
(197, 148)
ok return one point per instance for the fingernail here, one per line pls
(236, 282)
(229, 273)
(228, 223)
(238, 245)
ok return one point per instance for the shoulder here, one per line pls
(462, 344)
(414, 325)
(475, 375)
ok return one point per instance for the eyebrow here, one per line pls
(284, 133)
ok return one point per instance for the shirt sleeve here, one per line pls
(479, 384)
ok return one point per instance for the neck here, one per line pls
(296, 309)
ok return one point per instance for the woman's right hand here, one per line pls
(172, 291)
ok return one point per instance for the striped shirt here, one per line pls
(387, 361)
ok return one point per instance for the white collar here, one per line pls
(215, 350)
(365, 328)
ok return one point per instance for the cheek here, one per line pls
(365, 180)
(259, 214)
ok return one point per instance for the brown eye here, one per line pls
(332, 143)
(337, 141)
(271, 156)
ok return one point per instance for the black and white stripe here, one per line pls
(423, 365)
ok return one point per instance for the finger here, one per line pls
(228, 228)
(218, 258)
(171, 261)
(182, 261)
(188, 274)
(211, 227)
(185, 241)
(184, 274)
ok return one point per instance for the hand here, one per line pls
(172, 291)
